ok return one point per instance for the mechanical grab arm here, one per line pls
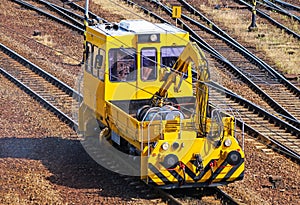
(191, 54)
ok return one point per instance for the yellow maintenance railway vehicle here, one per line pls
(145, 92)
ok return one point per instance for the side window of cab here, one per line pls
(99, 69)
(89, 57)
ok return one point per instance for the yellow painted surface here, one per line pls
(100, 96)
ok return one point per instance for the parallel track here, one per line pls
(273, 8)
(271, 20)
(51, 92)
(286, 139)
(253, 124)
(51, 16)
(259, 77)
(289, 4)
(270, 130)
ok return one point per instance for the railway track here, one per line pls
(103, 154)
(241, 11)
(275, 14)
(59, 98)
(73, 25)
(46, 96)
(271, 131)
(51, 99)
(277, 8)
(45, 88)
(260, 77)
(289, 4)
(284, 141)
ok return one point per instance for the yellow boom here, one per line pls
(191, 54)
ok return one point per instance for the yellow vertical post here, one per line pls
(253, 26)
(176, 12)
(86, 23)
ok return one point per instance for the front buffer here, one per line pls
(188, 161)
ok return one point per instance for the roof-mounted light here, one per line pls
(149, 38)
(153, 37)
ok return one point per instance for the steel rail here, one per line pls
(242, 101)
(274, 144)
(288, 5)
(245, 79)
(224, 197)
(29, 6)
(263, 14)
(47, 76)
(294, 89)
(275, 120)
(166, 196)
(55, 8)
(62, 116)
(270, 5)
(70, 13)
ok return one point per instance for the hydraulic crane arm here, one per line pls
(191, 53)
(203, 76)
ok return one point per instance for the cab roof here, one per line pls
(131, 27)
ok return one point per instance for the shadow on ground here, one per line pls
(68, 162)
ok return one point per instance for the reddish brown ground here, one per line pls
(41, 159)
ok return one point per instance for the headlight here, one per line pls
(165, 146)
(227, 142)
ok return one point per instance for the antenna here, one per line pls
(86, 9)
(86, 23)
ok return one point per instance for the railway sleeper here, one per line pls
(268, 151)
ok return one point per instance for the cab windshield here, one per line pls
(122, 65)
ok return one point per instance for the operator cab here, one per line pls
(128, 62)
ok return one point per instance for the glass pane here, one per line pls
(122, 64)
(99, 63)
(148, 68)
(169, 55)
(88, 64)
(95, 68)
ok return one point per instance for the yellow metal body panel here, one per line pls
(107, 90)
(214, 162)
(104, 99)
